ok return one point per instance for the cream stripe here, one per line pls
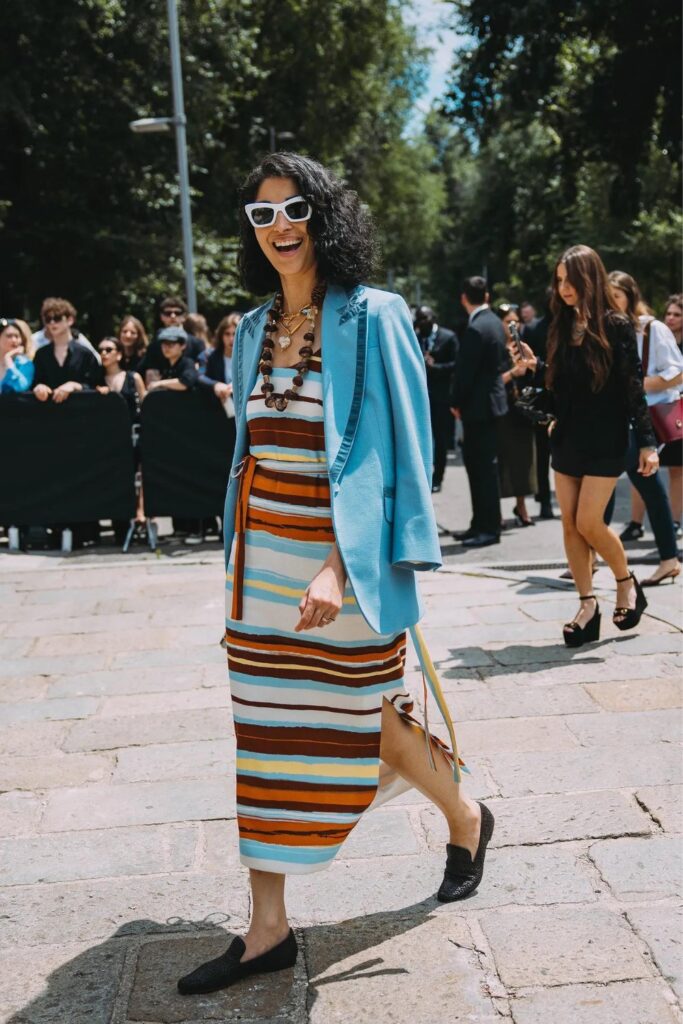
(360, 771)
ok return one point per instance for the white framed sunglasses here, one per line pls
(263, 215)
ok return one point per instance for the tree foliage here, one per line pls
(91, 210)
(562, 124)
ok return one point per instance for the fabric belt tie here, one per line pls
(431, 679)
(246, 479)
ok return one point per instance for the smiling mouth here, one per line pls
(288, 246)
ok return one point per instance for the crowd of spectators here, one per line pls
(57, 360)
(479, 380)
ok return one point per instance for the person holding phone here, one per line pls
(595, 379)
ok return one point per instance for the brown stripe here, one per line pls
(305, 734)
(273, 640)
(338, 679)
(307, 707)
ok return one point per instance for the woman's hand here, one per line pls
(551, 426)
(322, 600)
(648, 461)
(61, 393)
(221, 390)
(102, 388)
(42, 392)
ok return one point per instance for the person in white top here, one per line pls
(662, 378)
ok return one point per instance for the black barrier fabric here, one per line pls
(187, 445)
(66, 463)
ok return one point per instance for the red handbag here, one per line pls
(667, 417)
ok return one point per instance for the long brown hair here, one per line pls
(586, 273)
(227, 321)
(142, 341)
(637, 306)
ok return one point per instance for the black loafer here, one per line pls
(225, 970)
(462, 874)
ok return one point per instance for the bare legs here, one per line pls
(403, 749)
(268, 925)
(582, 502)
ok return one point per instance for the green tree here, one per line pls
(561, 125)
(90, 210)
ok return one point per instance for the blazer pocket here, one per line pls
(389, 494)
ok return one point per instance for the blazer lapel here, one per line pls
(344, 350)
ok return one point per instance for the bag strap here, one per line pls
(646, 347)
(430, 677)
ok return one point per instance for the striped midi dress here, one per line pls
(307, 706)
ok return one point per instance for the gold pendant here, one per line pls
(284, 342)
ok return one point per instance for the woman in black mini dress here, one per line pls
(595, 379)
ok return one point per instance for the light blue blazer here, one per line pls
(379, 446)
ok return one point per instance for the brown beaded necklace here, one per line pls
(272, 399)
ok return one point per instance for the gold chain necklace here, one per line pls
(291, 322)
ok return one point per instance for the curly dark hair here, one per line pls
(341, 226)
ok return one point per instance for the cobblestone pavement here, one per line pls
(118, 862)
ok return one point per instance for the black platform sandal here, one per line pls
(630, 617)
(225, 970)
(462, 874)
(576, 635)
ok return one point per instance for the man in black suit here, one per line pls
(537, 337)
(439, 347)
(479, 396)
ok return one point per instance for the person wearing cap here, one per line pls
(178, 373)
(172, 313)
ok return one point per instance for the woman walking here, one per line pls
(516, 441)
(328, 516)
(662, 369)
(595, 378)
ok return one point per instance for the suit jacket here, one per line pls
(478, 389)
(439, 376)
(379, 446)
(212, 369)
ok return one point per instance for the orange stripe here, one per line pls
(285, 647)
(317, 796)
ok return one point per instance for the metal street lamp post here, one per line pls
(178, 121)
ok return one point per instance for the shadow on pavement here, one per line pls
(140, 964)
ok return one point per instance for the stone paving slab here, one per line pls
(154, 998)
(637, 694)
(97, 909)
(636, 868)
(52, 771)
(577, 770)
(108, 852)
(384, 969)
(137, 803)
(628, 1002)
(661, 926)
(552, 819)
(129, 812)
(75, 984)
(665, 804)
(563, 946)
(137, 730)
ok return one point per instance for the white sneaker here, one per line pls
(194, 538)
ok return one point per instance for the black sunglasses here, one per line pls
(54, 318)
(103, 349)
(172, 312)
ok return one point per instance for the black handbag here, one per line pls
(533, 404)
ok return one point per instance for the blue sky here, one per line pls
(430, 17)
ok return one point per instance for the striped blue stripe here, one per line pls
(297, 854)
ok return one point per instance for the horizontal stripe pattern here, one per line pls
(307, 707)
